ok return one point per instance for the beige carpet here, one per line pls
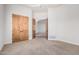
(40, 47)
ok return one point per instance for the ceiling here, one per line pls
(41, 7)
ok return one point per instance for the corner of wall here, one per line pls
(1, 48)
(7, 42)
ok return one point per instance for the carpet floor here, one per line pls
(40, 46)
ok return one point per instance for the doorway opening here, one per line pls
(40, 25)
(42, 28)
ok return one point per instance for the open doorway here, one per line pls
(42, 28)
(40, 23)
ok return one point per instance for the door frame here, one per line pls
(33, 28)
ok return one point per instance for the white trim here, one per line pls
(74, 43)
(7, 42)
(67, 41)
(1, 48)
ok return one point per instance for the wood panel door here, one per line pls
(19, 28)
(33, 28)
(15, 28)
(23, 27)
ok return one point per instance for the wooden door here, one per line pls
(15, 28)
(23, 27)
(19, 28)
(33, 28)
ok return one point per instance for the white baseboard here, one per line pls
(71, 42)
(30, 39)
(74, 43)
(7, 42)
(52, 39)
(1, 48)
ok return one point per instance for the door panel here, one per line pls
(20, 28)
(23, 28)
(33, 28)
(15, 28)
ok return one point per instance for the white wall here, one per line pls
(2, 23)
(19, 10)
(41, 15)
(63, 23)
